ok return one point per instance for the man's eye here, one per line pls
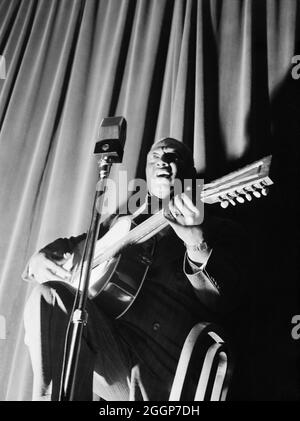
(172, 157)
(154, 158)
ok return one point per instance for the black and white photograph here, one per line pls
(149, 203)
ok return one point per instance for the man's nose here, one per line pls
(161, 163)
(165, 160)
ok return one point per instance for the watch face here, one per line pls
(197, 247)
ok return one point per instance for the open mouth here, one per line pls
(163, 174)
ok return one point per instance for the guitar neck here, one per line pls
(145, 230)
(230, 189)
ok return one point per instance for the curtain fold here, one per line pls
(202, 71)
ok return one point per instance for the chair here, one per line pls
(206, 362)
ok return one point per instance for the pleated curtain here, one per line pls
(193, 70)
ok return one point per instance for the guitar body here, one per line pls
(123, 280)
(116, 283)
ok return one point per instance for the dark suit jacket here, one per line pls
(175, 295)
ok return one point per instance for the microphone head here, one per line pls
(111, 139)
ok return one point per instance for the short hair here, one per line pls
(189, 169)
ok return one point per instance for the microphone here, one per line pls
(111, 139)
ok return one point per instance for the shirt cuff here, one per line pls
(197, 267)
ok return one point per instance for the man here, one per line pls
(196, 275)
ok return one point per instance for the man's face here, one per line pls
(165, 163)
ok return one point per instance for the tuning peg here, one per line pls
(224, 203)
(240, 198)
(246, 194)
(256, 192)
(264, 189)
(230, 199)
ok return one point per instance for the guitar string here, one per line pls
(154, 224)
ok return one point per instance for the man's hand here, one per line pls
(43, 269)
(186, 219)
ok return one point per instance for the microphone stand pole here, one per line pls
(110, 151)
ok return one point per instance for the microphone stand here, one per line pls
(110, 152)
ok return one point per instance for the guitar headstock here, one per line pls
(240, 186)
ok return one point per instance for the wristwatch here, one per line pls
(202, 246)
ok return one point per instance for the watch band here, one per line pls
(202, 246)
